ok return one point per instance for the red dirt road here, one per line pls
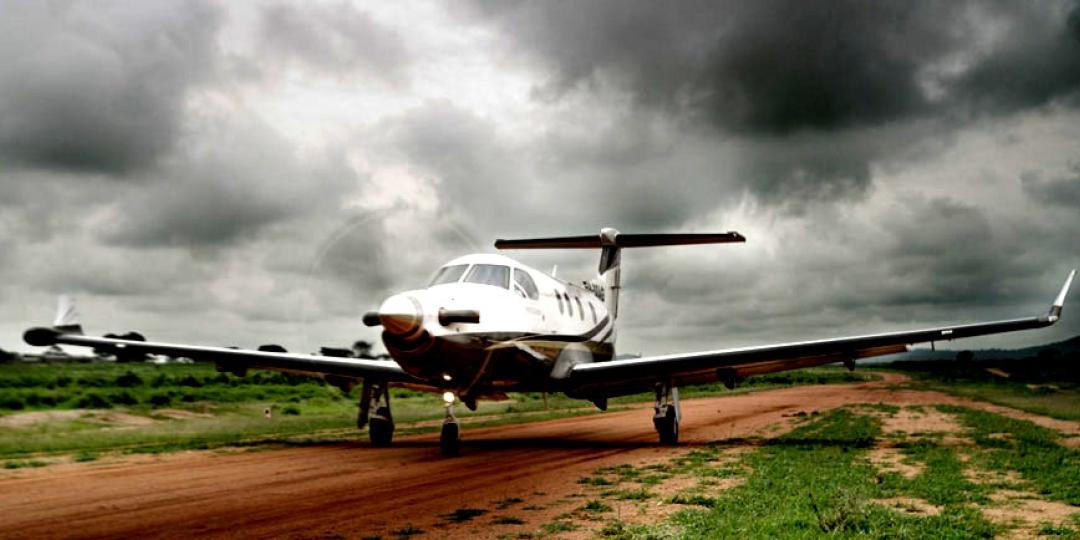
(353, 490)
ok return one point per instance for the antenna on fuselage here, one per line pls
(611, 242)
(554, 270)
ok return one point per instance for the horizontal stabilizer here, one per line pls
(620, 240)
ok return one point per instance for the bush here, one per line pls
(12, 403)
(190, 381)
(93, 381)
(39, 399)
(128, 380)
(161, 399)
(123, 398)
(92, 400)
(291, 410)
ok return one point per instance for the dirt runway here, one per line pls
(354, 490)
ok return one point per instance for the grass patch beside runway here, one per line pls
(1061, 400)
(959, 473)
(816, 481)
(1032, 451)
(85, 410)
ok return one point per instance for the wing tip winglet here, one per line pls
(1059, 302)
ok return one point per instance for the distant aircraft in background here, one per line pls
(487, 324)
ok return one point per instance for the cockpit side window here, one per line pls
(525, 281)
(448, 274)
(489, 274)
(558, 295)
(592, 311)
(580, 311)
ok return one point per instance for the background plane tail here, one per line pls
(611, 242)
(67, 317)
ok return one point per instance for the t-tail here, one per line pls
(611, 242)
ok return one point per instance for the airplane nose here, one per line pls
(401, 315)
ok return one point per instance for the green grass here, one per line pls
(595, 507)
(556, 527)
(1031, 450)
(1059, 399)
(22, 464)
(816, 481)
(407, 531)
(503, 504)
(942, 482)
(462, 515)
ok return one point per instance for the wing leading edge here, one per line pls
(729, 365)
(233, 359)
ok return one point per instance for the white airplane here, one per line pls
(487, 324)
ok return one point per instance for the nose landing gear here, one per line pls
(450, 437)
(666, 413)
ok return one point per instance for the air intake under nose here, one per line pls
(401, 315)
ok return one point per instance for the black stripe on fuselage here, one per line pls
(569, 337)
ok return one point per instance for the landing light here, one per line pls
(449, 398)
(446, 377)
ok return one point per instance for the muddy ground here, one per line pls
(354, 490)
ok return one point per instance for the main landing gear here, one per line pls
(666, 413)
(376, 396)
(450, 437)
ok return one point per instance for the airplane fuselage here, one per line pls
(531, 328)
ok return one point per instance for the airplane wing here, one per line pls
(618, 377)
(235, 360)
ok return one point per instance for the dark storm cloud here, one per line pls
(337, 39)
(943, 251)
(99, 87)
(219, 191)
(818, 92)
(779, 66)
(1062, 191)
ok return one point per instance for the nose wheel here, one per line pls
(450, 436)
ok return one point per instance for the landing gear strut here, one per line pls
(376, 396)
(450, 437)
(667, 413)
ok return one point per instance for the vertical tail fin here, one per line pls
(67, 317)
(611, 242)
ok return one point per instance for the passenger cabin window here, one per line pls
(448, 274)
(580, 310)
(523, 280)
(489, 274)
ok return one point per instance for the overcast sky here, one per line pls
(240, 173)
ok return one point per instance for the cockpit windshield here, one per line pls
(489, 274)
(448, 274)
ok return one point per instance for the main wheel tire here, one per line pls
(668, 428)
(449, 441)
(381, 429)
